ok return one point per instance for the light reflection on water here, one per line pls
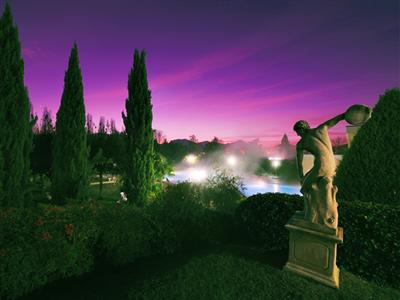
(253, 185)
(252, 189)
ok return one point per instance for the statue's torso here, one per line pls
(317, 142)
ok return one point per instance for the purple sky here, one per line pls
(236, 69)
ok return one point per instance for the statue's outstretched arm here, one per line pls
(332, 122)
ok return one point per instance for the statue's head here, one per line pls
(301, 127)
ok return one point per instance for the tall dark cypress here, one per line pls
(15, 122)
(139, 166)
(70, 170)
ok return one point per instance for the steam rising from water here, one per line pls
(236, 162)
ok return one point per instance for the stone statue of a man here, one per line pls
(320, 204)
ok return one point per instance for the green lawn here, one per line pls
(223, 272)
(110, 192)
(225, 276)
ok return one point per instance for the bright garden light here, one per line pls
(197, 175)
(275, 163)
(231, 160)
(191, 159)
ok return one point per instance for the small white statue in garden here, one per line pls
(123, 198)
(320, 204)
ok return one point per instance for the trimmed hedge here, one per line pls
(262, 218)
(370, 168)
(371, 232)
(371, 246)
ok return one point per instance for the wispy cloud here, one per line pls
(204, 65)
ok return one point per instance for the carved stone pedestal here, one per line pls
(312, 250)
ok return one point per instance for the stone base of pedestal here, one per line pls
(312, 250)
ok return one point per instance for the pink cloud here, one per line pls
(204, 65)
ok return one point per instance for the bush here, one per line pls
(262, 218)
(370, 168)
(126, 233)
(371, 246)
(371, 237)
(222, 192)
(184, 220)
(40, 245)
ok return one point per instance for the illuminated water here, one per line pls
(253, 185)
(252, 189)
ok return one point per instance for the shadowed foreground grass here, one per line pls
(212, 273)
(223, 276)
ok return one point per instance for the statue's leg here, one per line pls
(327, 208)
(308, 189)
(334, 208)
(307, 198)
(314, 199)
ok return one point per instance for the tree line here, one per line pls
(66, 146)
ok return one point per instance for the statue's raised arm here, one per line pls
(332, 122)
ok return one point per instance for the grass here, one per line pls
(222, 272)
(225, 276)
(110, 192)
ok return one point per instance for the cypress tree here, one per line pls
(139, 170)
(70, 170)
(15, 121)
(370, 168)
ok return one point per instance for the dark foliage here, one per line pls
(214, 146)
(139, 163)
(41, 245)
(70, 169)
(131, 234)
(371, 245)
(287, 171)
(183, 219)
(15, 122)
(175, 152)
(41, 156)
(262, 218)
(370, 168)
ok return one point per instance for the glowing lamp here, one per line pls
(191, 159)
(231, 160)
(276, 163)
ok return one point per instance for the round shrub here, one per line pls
(262, 218)
(370, 168)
